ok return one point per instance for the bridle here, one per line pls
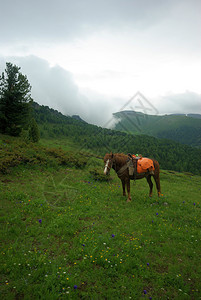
(111, 161)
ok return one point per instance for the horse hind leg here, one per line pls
(158, 185)
(150, 185)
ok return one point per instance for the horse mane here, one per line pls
(119, 158)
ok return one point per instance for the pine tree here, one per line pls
(15, 100)
(34, 134)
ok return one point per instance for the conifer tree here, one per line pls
(15, 100)
(34, 134)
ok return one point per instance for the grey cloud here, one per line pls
(55, 87)
(52, 86)
(50, 20)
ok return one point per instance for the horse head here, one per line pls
(108, 160)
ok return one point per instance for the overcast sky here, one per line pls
(89, 57)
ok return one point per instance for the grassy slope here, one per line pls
(65, 234)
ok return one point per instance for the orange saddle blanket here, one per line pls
(145, 164)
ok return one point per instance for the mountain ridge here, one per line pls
(185, 129)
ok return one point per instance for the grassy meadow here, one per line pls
(68, 233)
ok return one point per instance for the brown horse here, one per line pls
(118, 162)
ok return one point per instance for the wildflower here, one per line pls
(157, 214)
(194, 203)
(83, 245)
(113, 235)
(40, 221)
(75, 287)
(145, 292)
(148, 264)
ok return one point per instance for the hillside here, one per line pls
(180, 128)
(86, 137)
(69, 235)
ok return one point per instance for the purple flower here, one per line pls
(113, 235)
(75, 287)
(40, 221)
(148, 264)
(194, 203)
(145, 292)
(150, 298)
(83, 245)
(157, 214)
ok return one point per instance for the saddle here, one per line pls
(140, 165)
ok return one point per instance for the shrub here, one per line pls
(15, 151)
(98, 174)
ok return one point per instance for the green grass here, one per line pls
(66, 144)
(68, 236)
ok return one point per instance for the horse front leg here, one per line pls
(123, 187)
(128, 190)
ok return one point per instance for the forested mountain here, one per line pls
(185, 129)
(171, 155)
